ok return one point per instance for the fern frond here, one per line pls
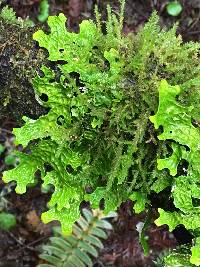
(84, 242)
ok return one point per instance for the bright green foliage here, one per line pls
(176, 121)
(99, 93)
(172, 162)
(177, 125)
(78, 248)
(8, 14)
(176, 259)
(174, 8)
(163, 182)
(44, 10)
(140, 201)
(10, 159)
(2, 148)
(112, 200)
(173, 219)
(7, 220)
(195, 258)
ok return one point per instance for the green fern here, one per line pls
(77, 249)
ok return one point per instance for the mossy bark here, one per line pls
(20, 58)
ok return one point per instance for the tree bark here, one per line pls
(20, 58)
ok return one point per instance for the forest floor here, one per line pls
(21, 246)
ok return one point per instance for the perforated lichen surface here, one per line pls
(96, 141)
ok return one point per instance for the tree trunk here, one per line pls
(20, 58)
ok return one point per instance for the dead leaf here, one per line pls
(33, 219)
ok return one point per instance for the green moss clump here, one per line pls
(100, 93)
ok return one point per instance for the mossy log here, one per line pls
(20, 58)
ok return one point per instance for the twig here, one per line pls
(27, 246)
(5, 130)
(193, 33)
(15, 238)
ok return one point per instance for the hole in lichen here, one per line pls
(95, 47)
(48, 167)
(177, 98)
(104, 28)
(195, 202)
(61, 62)
(160, 130)
(88, 189)
(187, 148)
(106, 65)
(75, 94)
(61, 50)
(44, 97)
(78, 170)
(82, 89)
(40, 73)
(102, 204)
(69, 169)
(66, 81)
(124, 149)
(162, 199)
(127, 136)
(167, 149)
(76, 76)
(182, 168)
(182, 235)
(37, 174)
(60, 120)
(196, 123)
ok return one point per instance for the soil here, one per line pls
(21, 246)
(136, 14)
